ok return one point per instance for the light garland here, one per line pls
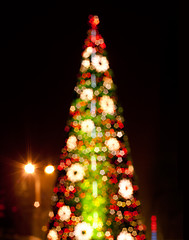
(107, 82)
(125, 188)
(94, 195)
(85, 65)
(64, 213)
(87, 125)
(72, 142)
(87, 94)
(112, 144)
(83, 231)
(100, 63)
(52, 235)
(107, 105)
(87, 52)
(76, 172)
(124, 235)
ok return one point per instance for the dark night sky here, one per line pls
(40, 54)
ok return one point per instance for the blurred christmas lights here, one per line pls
(95, 194)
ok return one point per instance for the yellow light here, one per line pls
(49, 169)
(90, 218)
(29, 168)
(99, 234)
(44, 228)
(36, 204)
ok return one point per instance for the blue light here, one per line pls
(154, 236)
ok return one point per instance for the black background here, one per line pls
(40, 51)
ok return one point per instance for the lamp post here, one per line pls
(31, 170)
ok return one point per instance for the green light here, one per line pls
(95, 189)
(90, 218)
(93, 163)
(95, 220)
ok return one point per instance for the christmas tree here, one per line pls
(95, 193)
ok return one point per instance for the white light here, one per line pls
(49, 169)
(93, 163)
(72, 142)
(83, 231)
(85, 65)
(95, 222)
(87, 52)
(87, 94)
(64, 213)
(107, 82)
(87, 125)
(76, 172)
(36, 204)
(112, 144)
(52, 235)
(119, 134)
(107, 104)
(124, 235)
(102, 172)
(125, 188)
(100, 63)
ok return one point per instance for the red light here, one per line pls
(94, 21)
(153, 218)
(154, 223)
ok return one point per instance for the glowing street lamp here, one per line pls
(49, 169)
(29, 168)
